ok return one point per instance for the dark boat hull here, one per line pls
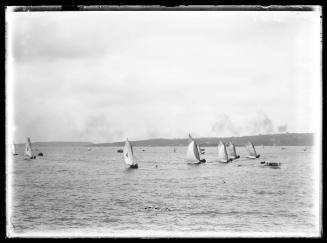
(134, 166)
(237, 157)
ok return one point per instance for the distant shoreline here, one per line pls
(283, 139)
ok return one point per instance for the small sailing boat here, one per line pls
(13, 148)
(193, 152)
(222, 153)
(28, 153)
(251, 150)
(232, 151)
(128, 155)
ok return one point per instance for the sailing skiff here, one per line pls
(129, 156)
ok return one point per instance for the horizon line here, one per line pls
(71, 141)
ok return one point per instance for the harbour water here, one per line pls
(76, 191)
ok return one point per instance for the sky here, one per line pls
(105, 76)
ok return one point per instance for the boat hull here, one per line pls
(253, 157)
(194, 162)
(135, 166)
(225, 161)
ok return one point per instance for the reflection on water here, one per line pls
(73, 188)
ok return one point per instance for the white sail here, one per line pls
(199, 149)
(222, 152)
(251, 150)
(13, 148)
(28, 148)
(231, 150)
(128, 153)
(193, 153)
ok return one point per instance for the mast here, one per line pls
(251, 149)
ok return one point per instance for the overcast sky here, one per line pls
(105, 76)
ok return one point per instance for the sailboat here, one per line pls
(232, 151)
(222, 153)
(13, 148)
(193, 152)
(128, 155)
(28, 153)
(252, 153)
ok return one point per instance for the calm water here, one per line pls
(72, 189)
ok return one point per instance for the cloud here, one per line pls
(260, 124)
(282, 128)
(98, 129)
(225, 127)
(152, 133)
(39, 38)
(143, 75)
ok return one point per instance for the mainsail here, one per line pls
(250, 148)
(222, 152)
(231, 150)
(28, 148)
(201, 150)
(193, 153)
(128, 153)
(13, 148)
